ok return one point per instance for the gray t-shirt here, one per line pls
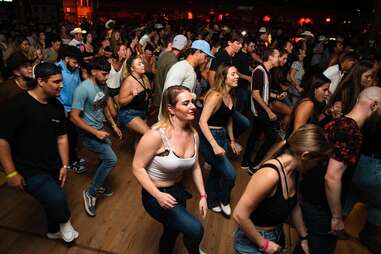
(181, 73)
(91, 100)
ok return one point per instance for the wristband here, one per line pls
(265, 245)
(204, 196)
(12, 174)
(232, 140)
(65, 166)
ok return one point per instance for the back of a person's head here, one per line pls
(351, 55)
(370, 94)
(100, 63)
(71, 52)
(267, 53)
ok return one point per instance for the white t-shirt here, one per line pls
(335, 75)
(144, 40)
(181, 73)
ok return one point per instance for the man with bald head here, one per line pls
(324, 190)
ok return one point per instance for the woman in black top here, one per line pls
(309, 108)
(134, 97)
(270, 196)
(216, 124)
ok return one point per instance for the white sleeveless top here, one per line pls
(113, 80)
(167, 165)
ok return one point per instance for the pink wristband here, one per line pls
(265, 245)
(204, 196)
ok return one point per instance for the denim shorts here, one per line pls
(243, 245)
(126, 115)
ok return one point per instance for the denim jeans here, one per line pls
(222, 176)
(318, 222)
(242, 98)
(261, 123)
(240, 123)
(243, 245)
(107, 156)
(47, 191)
(367, 180)
(73, 141)
(175, 220)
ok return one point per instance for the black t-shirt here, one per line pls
(258, 83)
(32, 128)
(222, 57)
(242, 61)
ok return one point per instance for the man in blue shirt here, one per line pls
(71, 56)
(89, 110)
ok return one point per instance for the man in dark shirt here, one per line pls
(34, 148)
(264, 118)
(20, 70)
(243, 62)
(225, 55)
(324, 189)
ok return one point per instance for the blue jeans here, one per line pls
(240, 123)
(222, 176)
(175, 220)
(243, 245)
(126, 115)
(367, 180)
(318, 222)
(107, 156)
(46, 190)
(242, 98)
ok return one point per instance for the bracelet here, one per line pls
(204, 196)
(65, 166)
(12, 174)
(265, 245)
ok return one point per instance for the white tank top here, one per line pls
(113, 80)
(169, 166)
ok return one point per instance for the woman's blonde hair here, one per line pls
(169, 99)
(308, 138)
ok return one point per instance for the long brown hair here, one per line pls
(308, 138)
(219, 81)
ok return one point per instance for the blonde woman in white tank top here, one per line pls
(162, 155)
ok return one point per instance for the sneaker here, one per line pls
(201, 252)
(57, 235)
(226, 209)
(68, 234)
(89, 203)
(216, 209)
(82, 162)
(78, 168)
(104, 191)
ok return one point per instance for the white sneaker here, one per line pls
(68, 234)
(201, 252)
(226, 209)
(58, 235)
(216, 209)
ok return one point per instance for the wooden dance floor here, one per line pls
(121, 224)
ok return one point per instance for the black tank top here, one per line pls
(221, 116)
(141, 100)
(273, 211)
